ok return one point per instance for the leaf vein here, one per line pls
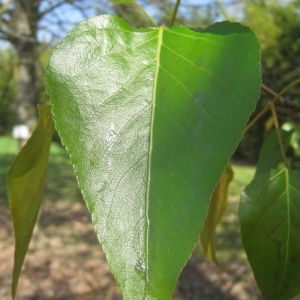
(203, 69)
(195, 100)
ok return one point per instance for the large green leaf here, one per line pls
(25, 186)
(270, 227)
(150, 118)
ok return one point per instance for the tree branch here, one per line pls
(295, 107)
(174, 14)
(10, 35)
(53, 7)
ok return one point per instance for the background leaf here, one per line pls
(217, 207)
(270, 228)
(144, 114)
(270, 154)
(25, 186)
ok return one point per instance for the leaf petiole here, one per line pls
(145, 13)
(174, 14)
(276, 97)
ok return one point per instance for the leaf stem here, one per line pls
(288, 87)
(276, 97)
(279, 137)
(222, 10)
(257, 117)
(145, 13)
(174, 14)
(265, 88)
(282, 92)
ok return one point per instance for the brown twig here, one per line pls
(276, 97)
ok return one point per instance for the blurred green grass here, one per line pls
(243, 174)
(60, 183)
(8, 150)
(228, 239)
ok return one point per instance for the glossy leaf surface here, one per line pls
(270, 227)
(217, 207)
(25, 186)
(143, 114)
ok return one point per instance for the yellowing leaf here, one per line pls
(217, 207)
(25, 185)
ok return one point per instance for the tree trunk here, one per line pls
(28, 72)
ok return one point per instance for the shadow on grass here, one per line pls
(195, 283)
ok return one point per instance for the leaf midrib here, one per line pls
(288, 212)
(153, 103)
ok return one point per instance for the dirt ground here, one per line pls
(65, 262)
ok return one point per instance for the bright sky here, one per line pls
(70, 14)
